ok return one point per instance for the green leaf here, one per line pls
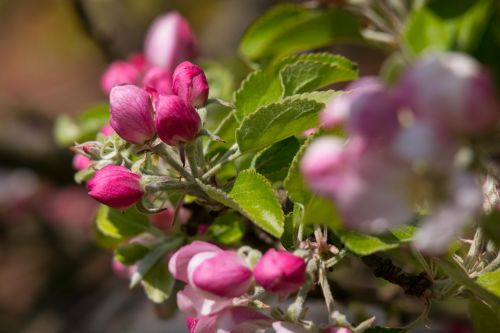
(364, 244)
(317, 70)
(404, 233)
(298, 191)
(227, 229)
(491, 226)
(66, 131)
(276, 122)
(274, 162)
(490, 281)
(220, 79)
(288, 236)
(287, 29)
(253, 197)
(84, 175)
(444, 10)
(258, 89)
(158, 283)
(425, 31)
(321, 211)
(130, 253)
(156, 254)
(116, 224)
(484, 319)
(104, 240)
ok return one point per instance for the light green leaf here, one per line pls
(484, 319)
(287, 29)
(404, 233)
(314, 71)
(130, 253)
(117, 224)
(253, 197)
(156, 254)
(84, 175)
(490, 281)
(66, 131)
(276, 122)
(220, 79)
(364, 244)
(258, 89)
(158, 283)
(298, 191)
(274, 162)
(227, 229)
(425, 31)
(321, 211)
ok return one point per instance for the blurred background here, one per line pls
(53, 277)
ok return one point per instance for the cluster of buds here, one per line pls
(404, 147)
(216, 278)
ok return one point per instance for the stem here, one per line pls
(475, 248)
(327, 292)
(161, 150)
(232, 154)
(191, 157)
(492, 266)
(296, 310)
(178, 207)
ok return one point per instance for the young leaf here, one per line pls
(130, 253)
(276, 122)
(227, 229)
(117, 224)
(155, 255)
(253, 197)
(316, 71)
(158, 283)
(363, 244)
(294, 182)
(490, 281)
(289, 28)
(258, 89)
(484, 319)
(274, 162)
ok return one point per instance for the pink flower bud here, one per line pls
(119, 72)
(223, 274)
(234, 319)
(115, 186)
(169, 41)
(178, 264)
(122, 270)
(106, 130)
(159, 80)
(190, 83)
(81, 162)
(280, 271)
(176, 121)
(452, 91)
(131, 114)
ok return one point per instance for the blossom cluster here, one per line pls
(407, 153)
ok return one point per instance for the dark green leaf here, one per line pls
(288, 237)
(130, 253)
(158, 283)
(484, 319)
(117, 224)
(276, 122)
(274, 162)
(491, 226)
(287, 29)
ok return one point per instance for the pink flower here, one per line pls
(176, 122)
(106, 130)
(280, 271)
(164, 220)
(197, 304)
(178, 264)
(115, 186)
(190, 84)
(169, 41)
(223, 274)
(122, 270)
(81, 162)
(230, 320)
(337, 330)
(131, 114)
(159, 80)
(208, 268)
(287, 327)
(123, 72)
(452, 91)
